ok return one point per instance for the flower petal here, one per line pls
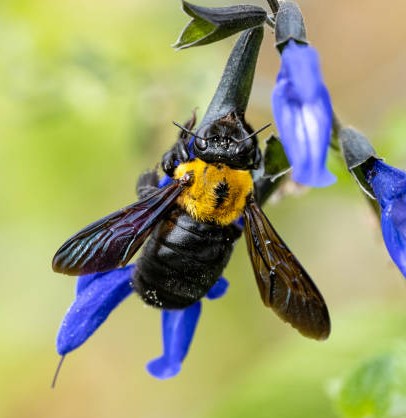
(97, 295)
(300, 64)
(303, 115)
(389, 187)
(218, 289)
(394, 232)
(164, 181)
(387, 182)
(178, 327)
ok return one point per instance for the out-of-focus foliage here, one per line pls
(376, 388)
(78, 95)
(298, 381)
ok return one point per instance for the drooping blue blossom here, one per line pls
(303, 114)
(178, 328)
(389, 187)
(97, 295)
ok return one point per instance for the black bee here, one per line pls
(190, 227)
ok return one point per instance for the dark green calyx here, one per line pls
(234, 89)
(212, 24)
(359, 173)
(358, 155)
(355, 147)
(274, 5)
(289, 25)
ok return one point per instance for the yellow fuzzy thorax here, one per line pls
(217, 194)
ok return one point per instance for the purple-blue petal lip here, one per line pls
(389, 187)
(97, 295)
(164, 181)
(218, 289)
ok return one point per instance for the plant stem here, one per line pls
(274, 5)
(334, 143)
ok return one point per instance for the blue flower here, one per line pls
(178, 328)
(98, 294)
(389, 187)
(303, 114)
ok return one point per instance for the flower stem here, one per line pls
(337, 126)
(274, 5)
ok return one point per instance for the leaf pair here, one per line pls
(212, 24)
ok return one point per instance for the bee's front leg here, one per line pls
(147, 183)
(179, 153)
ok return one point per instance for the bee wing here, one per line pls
(111, 241)
(283, 283)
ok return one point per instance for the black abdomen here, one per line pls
(182, 260)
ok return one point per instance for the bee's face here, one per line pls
(227, 141)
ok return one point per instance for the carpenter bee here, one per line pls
(190, 225)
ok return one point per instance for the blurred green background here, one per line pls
(88, 90)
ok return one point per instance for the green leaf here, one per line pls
(209, 25)
(367, 391)
(275, 159)
(275, 166)
(376, 389)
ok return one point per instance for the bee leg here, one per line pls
(147, 183)
(179, 153)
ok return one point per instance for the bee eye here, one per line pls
(200, 143)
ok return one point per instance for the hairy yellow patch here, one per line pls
(218, 193)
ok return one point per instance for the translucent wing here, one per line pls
(111, 241)
(283, 283)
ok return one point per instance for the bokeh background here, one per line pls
(88, 90)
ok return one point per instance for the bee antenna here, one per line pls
(184, 129)
(58, 369)
(258, 131)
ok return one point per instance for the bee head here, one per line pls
(228, 140)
